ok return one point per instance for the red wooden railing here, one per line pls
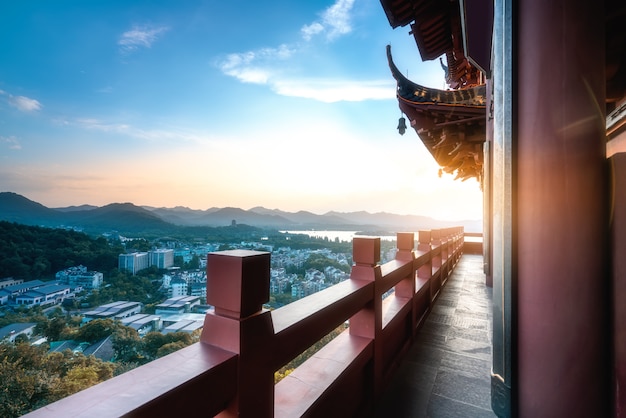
(231, 371)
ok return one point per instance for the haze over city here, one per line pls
(281, 104)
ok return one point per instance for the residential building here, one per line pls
(162, 258)
(79, 276)
(43, 295)
(188, 326)
(15, 290)
(134, 262)
(177, 305)
(115, 310)
(143, 323)
(178, 287)
(10, 281)
(198, 289)
(11, 331)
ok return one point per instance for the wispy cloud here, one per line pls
(22, 103)
(173, 135)
(330, 91)
(255, 67)
(11, 142)
(140, 36)
(96, 124)
(25, 104)
(267, 65)
(334, 22)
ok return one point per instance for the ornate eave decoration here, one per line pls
(450, 123)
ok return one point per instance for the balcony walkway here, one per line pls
(446, 372)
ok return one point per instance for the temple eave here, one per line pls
(450, 123)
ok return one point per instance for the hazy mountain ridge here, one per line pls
(126, 217)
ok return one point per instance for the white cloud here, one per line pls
(254, 66)
(308, 31)
(140, 37)
(11, 141)
(90, 123)
(336, 90)
(335, 21)
(267, 65)
(24, 104)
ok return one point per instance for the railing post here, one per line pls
(368, 321)
(425, 271)
(461, 242)
(445, 254)
(406, 288)
(436, 281)
(406, 245)
(238, 286)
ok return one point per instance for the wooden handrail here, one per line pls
(231, 371)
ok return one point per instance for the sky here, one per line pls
(283, 104)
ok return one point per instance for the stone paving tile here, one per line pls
(464, 389)
(446, 373)
(442, 407)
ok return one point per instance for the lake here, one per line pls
(342, 235)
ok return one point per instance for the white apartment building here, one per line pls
(134, 262)
(178, 287)
(163, 259)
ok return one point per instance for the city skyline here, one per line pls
(274, 104)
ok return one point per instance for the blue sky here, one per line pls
(281, 104)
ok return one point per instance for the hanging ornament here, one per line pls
(401, 125)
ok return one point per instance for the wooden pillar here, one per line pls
(618, 225)
(563, 360)
(238, 286)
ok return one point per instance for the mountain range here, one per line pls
(129, 218)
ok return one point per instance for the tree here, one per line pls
(155, 344)
(77, 379)
(31, 378)
(170, 348)
(194, 263)
(126, 343)
(95, 330)
(54, 330)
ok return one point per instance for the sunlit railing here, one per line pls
(231, 371)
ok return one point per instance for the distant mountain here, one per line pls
(390, 220)
(17, 208)
(226, 216)
(76, 208)
(127, 218)
(304, 218)
(120, 217)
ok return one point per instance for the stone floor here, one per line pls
(446, 373)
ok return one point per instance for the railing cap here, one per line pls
(406, 241)
(424, 236)
(366, 250)
(238, 282)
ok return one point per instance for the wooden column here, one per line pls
(618, 225)
(561, 228)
